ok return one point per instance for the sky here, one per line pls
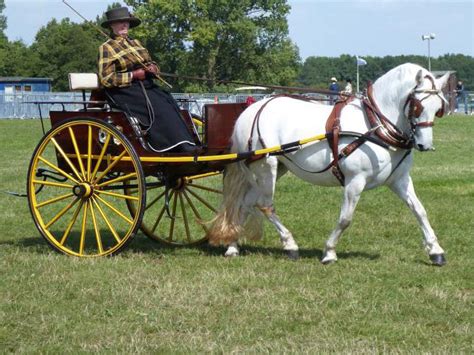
(318, 27)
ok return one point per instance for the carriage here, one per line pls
(92, 182)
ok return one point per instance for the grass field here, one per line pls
(381, 296)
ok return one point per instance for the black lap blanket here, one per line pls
(167, 129)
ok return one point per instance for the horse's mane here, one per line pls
(392, 88)
(403, 76)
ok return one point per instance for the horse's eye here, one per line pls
(440, 112)
(418, 109)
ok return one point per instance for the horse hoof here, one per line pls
(329, 257)
(232, 251)
(328, 261)
(293, 254)
(438, 259)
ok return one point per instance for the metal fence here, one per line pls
(21, 105)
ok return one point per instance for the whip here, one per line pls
(196, 78)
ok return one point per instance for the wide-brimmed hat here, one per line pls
(120, 14)
(333, 79)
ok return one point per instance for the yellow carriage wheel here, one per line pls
(193, 202)
(75, 188)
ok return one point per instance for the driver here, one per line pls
(126, 72)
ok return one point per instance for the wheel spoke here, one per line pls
(108, 193)
(120, 214)
(59, 170)
(115, 162)
(71, 223)
(61, 213)
(56, 199)
(89, 152)
(205, 188)
(84, 229)
(78, 153)
(196, 212)
(134, 190)
(112, 229)
(160, 215)
(101, 157)
(96, 229)
(121, 178)
(204, 202)
(65, 157)
(185, 218)
(155, 200)
(173, 218)
(50, 183)
(202, 176)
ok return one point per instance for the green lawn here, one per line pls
(381, 296)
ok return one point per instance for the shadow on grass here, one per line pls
(304, 253)
(27, 242)
(144, 245)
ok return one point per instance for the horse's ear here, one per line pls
(419, 77)
(441, 82)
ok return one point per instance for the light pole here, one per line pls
(428, 38)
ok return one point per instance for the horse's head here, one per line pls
(425, 102)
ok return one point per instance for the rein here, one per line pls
(275, 87)
(256, 120)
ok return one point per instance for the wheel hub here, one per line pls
(83, 190)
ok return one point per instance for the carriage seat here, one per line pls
(83, 81)
(88, 81)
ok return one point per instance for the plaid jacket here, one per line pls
(118, 57)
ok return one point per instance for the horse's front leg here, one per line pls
(404, 189)
(352, 192)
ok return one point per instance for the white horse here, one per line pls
(397, 114)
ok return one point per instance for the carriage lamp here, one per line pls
(428, 38)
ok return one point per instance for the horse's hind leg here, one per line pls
(404, 189)
(352, 192)
(267, 173)
(232, 249)
(286, 238)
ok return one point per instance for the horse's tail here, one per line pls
(227, 225)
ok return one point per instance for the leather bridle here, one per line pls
(415, 106)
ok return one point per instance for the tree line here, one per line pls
(316, 71)
(246, 41)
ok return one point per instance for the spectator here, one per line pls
(461, 96)
(348, 87)
(334, 87)
(250, 100)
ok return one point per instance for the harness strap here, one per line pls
(385, 130)
(389, 134)
(255, 122)
(333, 129)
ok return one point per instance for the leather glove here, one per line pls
(138, 74)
